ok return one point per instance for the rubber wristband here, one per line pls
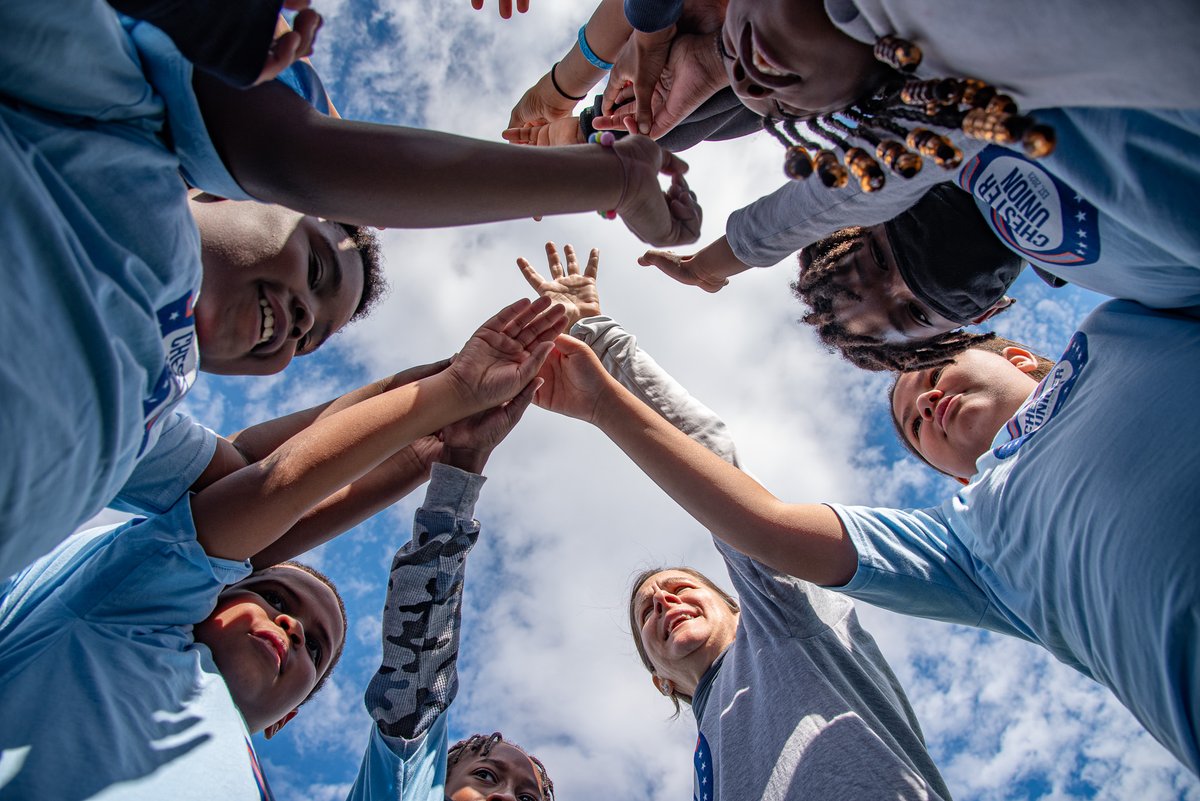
(557, 88)
(592, 58)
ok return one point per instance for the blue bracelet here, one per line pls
(592, 58)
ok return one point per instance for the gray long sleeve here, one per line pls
(418, 678)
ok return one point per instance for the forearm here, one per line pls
(390, 176)
(244, 513)
(806, 541)
(382, 487)
(418, 677)
(607, 32)
(635, 370)
(718, 261)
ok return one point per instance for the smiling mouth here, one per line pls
(267, 323)
(277, 646)
(759, 69)
(676, 623)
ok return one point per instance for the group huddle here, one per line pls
(155, 226)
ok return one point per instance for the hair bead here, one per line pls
(830, 170)
(899, 159)
(797, 163)
(937, 92)
(865, 169)
(935, 146)
(899, 54)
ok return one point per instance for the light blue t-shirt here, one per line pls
(395, 769)
(103, 691)
(1079, 532)
(99, 258)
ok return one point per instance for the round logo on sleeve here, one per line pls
(1034, 213)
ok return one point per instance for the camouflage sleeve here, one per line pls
(418, 678)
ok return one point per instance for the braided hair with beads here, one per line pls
(896, 122)
(482, 745)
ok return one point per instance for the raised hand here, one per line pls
(506, 7)
(504, 355)
(662, 219)
(693, 73)
(574, 381)
(540, 104)
(574, 291)
(468, 443)
(563, 131)
(292, 44)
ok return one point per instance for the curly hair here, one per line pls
(818, 286)
(366, 242)
(482, 745)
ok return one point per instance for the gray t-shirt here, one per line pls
(802, 704)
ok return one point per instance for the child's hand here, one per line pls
(683, 269)
(564, 131)
(574, 380)
(540, 104)
(506, 7)
(662, 219)
(504, 355)
(468, 443)
(574, 291)
(292, 44)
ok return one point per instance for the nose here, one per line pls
(927, 401)
(293, 628)
(302, 317)
(504, 796)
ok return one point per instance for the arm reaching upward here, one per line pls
(803, 540)
(245, 512)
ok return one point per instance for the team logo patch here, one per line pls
(181, 357)
(703, 789)
(1050, 396)
(1032, 211)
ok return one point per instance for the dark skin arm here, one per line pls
(281, 150)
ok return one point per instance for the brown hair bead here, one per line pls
(899, 159)
(868, 172)
(797, 163)
(830, 170)
(899, 54)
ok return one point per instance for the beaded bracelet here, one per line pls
(592, 58)
(557, 88)
(607, 139)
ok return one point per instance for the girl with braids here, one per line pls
(486, 763)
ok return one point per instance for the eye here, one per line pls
(936, 376)
(484, 774)
(877, 255)
(527, 797)
(302, 345)
(314, 650)
(274, 599)
(315, 270)
(918, 314)
(722, 49)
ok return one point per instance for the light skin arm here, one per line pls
(281, 150)
(803, 540)
(247, 511)
(710, 268)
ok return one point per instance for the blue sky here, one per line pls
(566, 520)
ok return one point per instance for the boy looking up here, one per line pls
(81, 626)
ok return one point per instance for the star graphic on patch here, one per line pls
(1081, 245)
(1082, 234)
(1078, 198)
(1081, 216)
(174, 315)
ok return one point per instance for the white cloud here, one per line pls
(547, 656)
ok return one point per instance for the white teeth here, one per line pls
(762, 66)
(268, 320)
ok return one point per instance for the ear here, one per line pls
(1020, 358)
(278, 725)
(998, 307)
(664, 686)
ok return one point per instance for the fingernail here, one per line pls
(644, 128)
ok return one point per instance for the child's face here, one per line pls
(306, 270)
(505, 772)
(788, 59)
(273, 636)
(886, 309)
(951, 414)
(684, 625)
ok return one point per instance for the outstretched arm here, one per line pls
(710, 268)
(281, 150)
(247, 511)
(418, 677)
(803, 540)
